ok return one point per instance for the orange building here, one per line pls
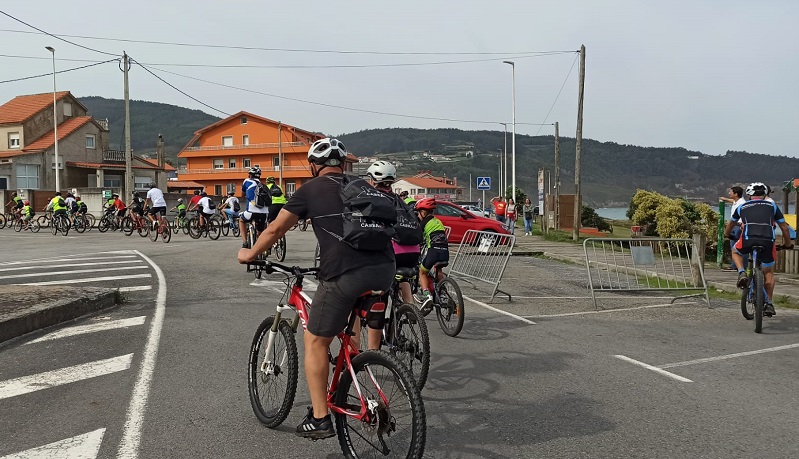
(219, 155)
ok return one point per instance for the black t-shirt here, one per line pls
(758, 217)
(320, 201)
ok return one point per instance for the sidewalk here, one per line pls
(720, 279)
(24, 309)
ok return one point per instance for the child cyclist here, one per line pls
(27, 214)
(435, 242)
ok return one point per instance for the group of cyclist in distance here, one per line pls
(755, 219)
(345, 273)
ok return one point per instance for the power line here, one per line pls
(561, 90)
(179, 90)
(48, 59)
(60, 71)
(56, 36)
(290, 50)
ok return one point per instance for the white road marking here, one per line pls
(71, 265)
(729, 356)
(653, 368)
(75, 271)
(567, 314)
(91, 328)
(131, 438)
(480, 303)
(91, 279)
(632, 297)
(61, 259)
(46, 380)
(84, 446)
(135, 288)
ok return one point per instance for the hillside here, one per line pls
(147, 120)
(611, 172)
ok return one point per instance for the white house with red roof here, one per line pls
(427, 185)
(27, 148)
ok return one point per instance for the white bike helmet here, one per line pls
(328, 152)
(255, 171)
(382, 171)
(756, 189)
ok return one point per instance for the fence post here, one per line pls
(720, 245)
(698, 257)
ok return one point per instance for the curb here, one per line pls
(50, 314)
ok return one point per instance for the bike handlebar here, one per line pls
(269, 265)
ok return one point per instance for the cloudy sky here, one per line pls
(710, 76)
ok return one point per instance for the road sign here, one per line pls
(483, 183)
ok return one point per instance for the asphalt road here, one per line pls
(551, 378)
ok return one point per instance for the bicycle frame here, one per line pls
(299, 302)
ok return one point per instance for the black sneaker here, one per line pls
(743, 280)
(768, 310)
(315, 429)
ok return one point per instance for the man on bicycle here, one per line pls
(278, 199)
(231, 207)
(120, 207)
(207, 209)
(345, 273)
(136, 204)
(252, 212)
(58, 205)
(15, 205)
(157, 203)
(758, 217)
(180, 208)
(435, 241)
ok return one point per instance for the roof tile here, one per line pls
(21, 108)
(64, 130)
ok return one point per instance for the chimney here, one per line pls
(159, 149)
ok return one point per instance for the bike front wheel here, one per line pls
(272, 377)
(394, 425)
(194, 228)
(760, 298)
(747, 304)
(410, 342)
(280, 249)
(34, 225)
(450, 313)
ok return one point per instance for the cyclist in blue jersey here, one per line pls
(758, 217)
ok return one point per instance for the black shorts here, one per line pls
(19, 205)
(157, 210)
(274, 209)
(407, 260)
(60, 212)
(121, 212)
(435, 255)
(336, 298)
(258, 219)
(768, 253)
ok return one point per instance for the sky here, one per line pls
(708, 76)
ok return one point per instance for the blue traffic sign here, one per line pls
(483, 183)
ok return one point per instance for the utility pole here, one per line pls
(128, 153)
(557, 177)
(280, 152)
(578, 205)
(470, 187)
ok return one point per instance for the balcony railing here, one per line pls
(264, 170)
(250, 146)
(113, 156)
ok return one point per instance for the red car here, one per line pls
(460, 221)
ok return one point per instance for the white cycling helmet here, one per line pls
(328, 152)
(382, 171)
(255, 171)
(756, 189)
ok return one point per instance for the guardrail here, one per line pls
(644, 264)
(246, 147)
(483, 256)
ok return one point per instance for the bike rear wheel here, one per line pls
(396, 425)
(17, 226)
(280, 249)
(450, 313)
(127, 226)
(760, 298)
(410, 342)
(80, 223)
(214, 229)
(91, 220)
(272, 387)
(193, 226)
(153, 233)
(104, 225)
(166, 232)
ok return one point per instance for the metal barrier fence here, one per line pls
(644, 264)
(482, 256)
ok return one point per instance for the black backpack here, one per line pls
(275, 191)
(262, 196)
(408, 228)
(61, 202)
(211, 204)
(236, 206)
(369, 215)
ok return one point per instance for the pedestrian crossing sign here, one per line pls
(483, 183)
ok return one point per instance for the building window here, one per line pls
(13, 140)
(90, 141)
(231, 187)
(112, 181)
(227, 140)
(246, 162)
(219, 164)
(243, 120)
(245, 140)
(3, 183)
(27, 176)
(141, 183)
(291, 187)
(67, 109)
(217, 190)
(276, 163)
(231, 163)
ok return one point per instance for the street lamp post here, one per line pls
(55, 123)
(504, 181)
(513, 141)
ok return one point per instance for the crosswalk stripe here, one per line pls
(70, 265)
(50, 379)
(91, 328)
(84, 446)
(62, 259)
(135, 288)
(90, 279)
(74, 271)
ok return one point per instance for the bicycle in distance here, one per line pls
(447, 300)
(753, 297)
(378, 410)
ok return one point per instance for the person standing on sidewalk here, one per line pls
(736, 198)
(510, 215)
(527, 213)
(499, 208)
